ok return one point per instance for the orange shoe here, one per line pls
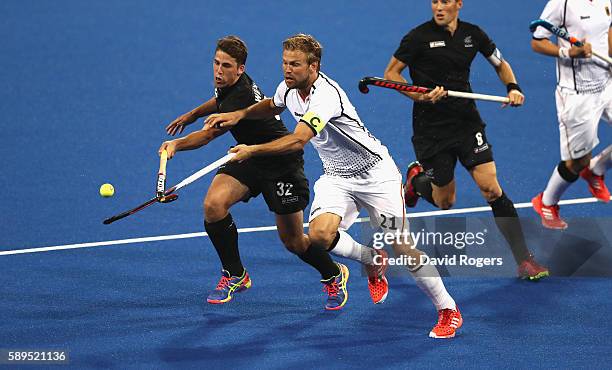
(448, 323)
(550, 214)
(410, 196)
(377, 282)
(531, 270)
(597, 186)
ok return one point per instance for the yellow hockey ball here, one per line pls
(107, 190)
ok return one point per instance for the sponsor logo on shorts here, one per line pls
(290, 200)
(481, 149)
(437, 44)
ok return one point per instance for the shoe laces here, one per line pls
(554, 210)
(223, 283)
(445, 317)
(597, 183)
(331, 289)
(375, 272)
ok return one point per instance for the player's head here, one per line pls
(445, 11)
(301, 60)
(229, 60)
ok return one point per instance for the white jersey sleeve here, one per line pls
(280, 95)
(553, 13)
(323, 107)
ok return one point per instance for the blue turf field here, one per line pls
(88, 88)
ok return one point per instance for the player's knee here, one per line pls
(322, 237)
(577, 165)
(446, 202)
(295, 244)
(214, 209)
(490, 193)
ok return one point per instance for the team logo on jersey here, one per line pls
(437, 44)
(468, 42)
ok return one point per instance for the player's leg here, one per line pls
(594, 174)
(291, 232)
(507, 220)
(224, 192)
(578, 116)
(602, 162)
(476, 156)
(383, 199)
(287, 195)
(335, 197)
(332, 212)
(326, 230)
(433, 180)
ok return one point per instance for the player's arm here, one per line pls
(260, 110)
(506, 76)
(547, 47)
(178, 125)
(192, 141)
(287, 144)
(610, 41)
(394, 71)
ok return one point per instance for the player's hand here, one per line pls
(243, 152)
(585, 51)
(516, 99)
(220, 120)
(178, 125)
(434, 95)
(169, 146)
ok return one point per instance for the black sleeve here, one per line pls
(408, 49)
(486, 46)
(240, 99)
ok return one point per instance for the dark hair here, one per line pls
(306, 44)
(234, 47)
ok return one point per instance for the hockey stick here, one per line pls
(562, 33)
(169, 194)
(401, 86)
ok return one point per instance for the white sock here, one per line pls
(428, 279)
(602, 162)
(349, 248)
(557, 185)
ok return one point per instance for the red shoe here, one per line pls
(597, 186)
(448, 323)
(549, 214)
(530, 269)
(377, 282)
(410, 195)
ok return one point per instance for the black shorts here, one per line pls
(285, 192)
(471, 150)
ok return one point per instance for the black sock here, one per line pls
(320, 260)
(509, 224)
(422, 185)
(224, 237)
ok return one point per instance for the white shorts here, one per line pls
(379, 191)
(579, 116)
